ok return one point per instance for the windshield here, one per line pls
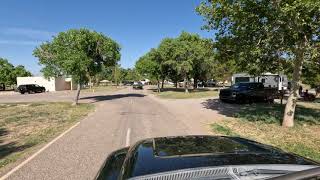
(239, 86)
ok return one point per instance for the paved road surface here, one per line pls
(80, 153)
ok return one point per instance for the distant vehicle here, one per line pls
(204, 158)
(30, 88)
(211, 83)
(127, 83)
(248, 92)
(269, 80)
(145, 81)
(2, 87)
(137, 85)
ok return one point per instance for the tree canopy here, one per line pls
(9, 73)
(261, 34)
(80, 53)
(187, 56)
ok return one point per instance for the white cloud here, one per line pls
(19, 42)
(27, 33)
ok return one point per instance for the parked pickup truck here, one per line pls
(30, 88)
(246, 92)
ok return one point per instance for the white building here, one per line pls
(51, 84)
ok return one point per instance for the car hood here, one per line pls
(172, 153)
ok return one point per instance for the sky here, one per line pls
(137, 25)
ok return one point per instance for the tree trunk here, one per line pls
(195, 83)
(75, 102)
(90, 82)
(162, 83)
(176, 84)
(158, 86)
(288, 117)
(185, 82)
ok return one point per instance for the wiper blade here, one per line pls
(263, 171)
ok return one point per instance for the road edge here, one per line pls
(5, 176)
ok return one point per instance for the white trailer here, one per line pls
(268, 79)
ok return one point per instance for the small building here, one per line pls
(51, 84)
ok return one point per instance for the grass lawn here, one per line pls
(173, 93)
(24, 126)
(261, 122)
(102, 89)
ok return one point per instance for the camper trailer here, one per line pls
(268, 79)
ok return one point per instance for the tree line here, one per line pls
(182, 58)
(9, 73)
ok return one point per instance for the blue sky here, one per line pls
(136, 25)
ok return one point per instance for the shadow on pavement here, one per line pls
(111, 97)
(226, 109)
(179, 89)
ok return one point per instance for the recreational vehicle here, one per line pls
(268, 79)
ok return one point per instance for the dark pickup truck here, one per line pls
(35, 88)
(247, 92)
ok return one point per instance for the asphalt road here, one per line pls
(120, 119)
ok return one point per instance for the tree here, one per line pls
(132, 75)
(166, 57)
(80, 53)
(6, 70)
(201, 54)
(20, 71)
(149, 65)
(311, 73)
(260, 32)
(178, 58)
(9, 73)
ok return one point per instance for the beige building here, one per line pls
(51, 84)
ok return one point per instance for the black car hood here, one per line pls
(172, 153)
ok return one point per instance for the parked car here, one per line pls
(203, 157)
(30, 88)
(128, 83)
(248, 92)
(211, 83)
(137, 85)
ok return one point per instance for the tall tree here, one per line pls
(79, 53)
(9, 73)
(259, 32)
(166, 57)
(20, 71)
(149, 65)
(201, 52)
(6, 70)
(132, 75)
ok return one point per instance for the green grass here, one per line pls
(25, 126)
(261, 122)
(306, 113)
(222, 129)
(102, 89)
(172, 93)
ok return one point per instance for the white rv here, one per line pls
(268, 79)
